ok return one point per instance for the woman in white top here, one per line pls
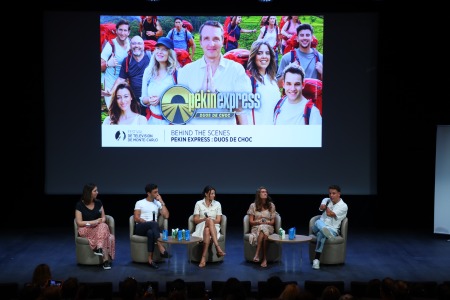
(159, 76)
(124, 108)
(263, 69)
(207, 218)
(271, 33)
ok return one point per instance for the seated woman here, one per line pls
(262, 220)
(90, 217)
(207, 218)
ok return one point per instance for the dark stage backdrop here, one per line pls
(74, 156)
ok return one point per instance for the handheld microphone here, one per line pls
(206, 215)
(153, 216)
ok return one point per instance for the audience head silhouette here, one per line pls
(129, 289)
(41, 275)
(233, 290)
(291, 292)
(331, 293)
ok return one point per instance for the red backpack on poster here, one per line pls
(225, 29)
(238, 55)
(107, 34)
(292, 43)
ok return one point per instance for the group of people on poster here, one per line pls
(267, 90)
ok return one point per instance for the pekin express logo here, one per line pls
(179, 105)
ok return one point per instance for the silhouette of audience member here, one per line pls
(233, 290)
(41, 275)
(306, 295)
(30, 292)
(178, 290)
(129, 289)
(51, 292)
(401, 290)
(291, 292)
(346, 297)
(373, 288)
(83, 291)
(69, 288)
(273, 288)
(443, 291)
(387, 288)
(330, 292)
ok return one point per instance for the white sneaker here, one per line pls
(316, 264)
(327, 233)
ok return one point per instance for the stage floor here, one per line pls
(410, 256)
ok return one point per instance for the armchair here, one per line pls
(84, 253)
(195, 250)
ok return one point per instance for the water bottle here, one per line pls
(291, 234)
(164, 235)
(183, 234)
(188, 235)
(180, 235)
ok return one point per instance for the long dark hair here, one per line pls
(87, 192)
(114, 109)
(258, 202)
(271, 69)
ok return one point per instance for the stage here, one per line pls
(410, 256)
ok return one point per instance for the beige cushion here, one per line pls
(138, 244)
(84, 253)
(196, 250)
(334, 250)
(274, 250)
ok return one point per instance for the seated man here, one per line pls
(146, 213)
(328, 225)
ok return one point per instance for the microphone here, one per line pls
(153, 215)
(206, 215)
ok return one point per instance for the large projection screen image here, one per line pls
(212, 97)
(209, 124)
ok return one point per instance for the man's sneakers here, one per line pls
(326, 232)
(98, 252)
(107, 265)
(316, 264)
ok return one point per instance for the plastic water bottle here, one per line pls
(164, 235)
(180, 235)
(291, 233)
(188, 235)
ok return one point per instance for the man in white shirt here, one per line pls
(328, 225)
(216, 74)
(294, 108)
(146, 213)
